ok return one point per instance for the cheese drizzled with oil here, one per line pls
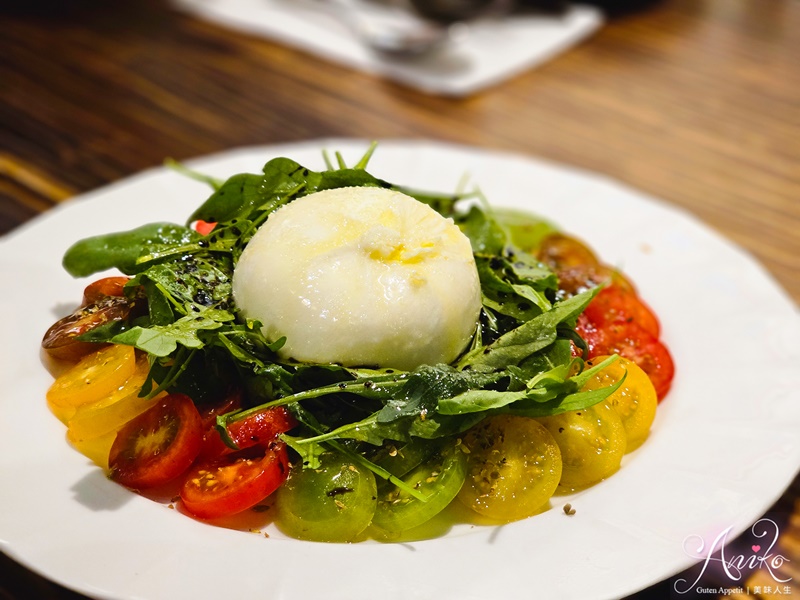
(361, 276)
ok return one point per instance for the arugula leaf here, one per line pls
(309, 450)
(425, 386)
(369, 430)
(193, 280)
(282, 180)
(520, 343)
(484, 233)
(163, 340)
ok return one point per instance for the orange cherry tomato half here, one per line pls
(259, 428)
(235, 482)
(103, 288)
(616, 305)
(158, 445)
(559, 251)
(60, 341)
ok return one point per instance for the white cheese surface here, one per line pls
(361, 277)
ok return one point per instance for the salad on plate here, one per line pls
(352, 358)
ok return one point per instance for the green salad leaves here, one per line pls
(519, 360)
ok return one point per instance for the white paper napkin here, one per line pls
(488, 52)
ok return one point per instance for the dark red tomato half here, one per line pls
(210, 412)
(103, 288)
(235, 482)
(260, 428)
(60, 341)
(617, 305)
(158, 445)
(573, 280)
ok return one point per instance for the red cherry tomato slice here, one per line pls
(616, 305)
(259, 428)
(235, 482)
(103, 288)
(209, 413)
(158, 445)
(204, 227)
(60, 341)
(591, 334)
(634, 343)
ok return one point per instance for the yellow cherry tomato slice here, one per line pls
(93, 378)
(110, 413)
(592, 443)
(95, 449)
(513, 468)
(635, 401)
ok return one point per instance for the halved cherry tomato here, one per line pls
(591, 334)
(204, 227)
(111, 412)
(103, 288)
(514, 467)
(158, 445)
(235, 482)
(579, 278)
(333, 502)
(259, 428)
(634, 343)
(592, 443)
(61, 341)
(212, 442)
(439, 479)
(616, 305)
(559, 251)
(634, 401)
(93, 378)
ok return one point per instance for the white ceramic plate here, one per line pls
(723, 448)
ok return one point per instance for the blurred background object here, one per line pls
(456, 57)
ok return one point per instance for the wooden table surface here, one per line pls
(693, 101)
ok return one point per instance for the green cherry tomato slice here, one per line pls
(332, 503)
(514, 467)
(158, 445)
(235, 482)
(439, 479)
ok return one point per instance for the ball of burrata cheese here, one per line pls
(361, 276)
